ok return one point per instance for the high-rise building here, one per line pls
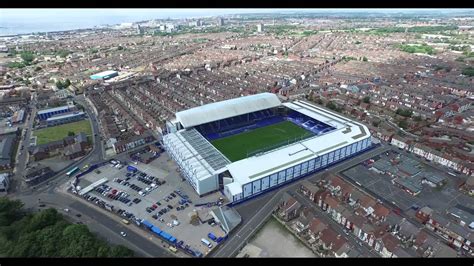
(220, 22)
(139, 29)
(260, 27)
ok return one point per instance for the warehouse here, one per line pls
(104, 75)
(328, 138)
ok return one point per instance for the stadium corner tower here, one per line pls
(249, 145)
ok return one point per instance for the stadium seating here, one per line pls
(238, 124)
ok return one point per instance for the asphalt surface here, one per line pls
(113, 229)
(22, 158)
(256, 211)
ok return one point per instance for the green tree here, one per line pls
(366, 99)
(403, 124)
(71, 133)
(67, 83)
(59, 85)
(120, 251)
(28, 57)
(468, 71)
(10, 210)
(47, 234)
(365, 59)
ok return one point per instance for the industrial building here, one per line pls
(188, 139)
(104, 75)
(47, 113)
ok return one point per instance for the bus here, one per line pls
(72, 171)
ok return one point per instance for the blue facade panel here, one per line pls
(275, 180)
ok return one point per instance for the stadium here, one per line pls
(252, 144)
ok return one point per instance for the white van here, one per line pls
(207, 243)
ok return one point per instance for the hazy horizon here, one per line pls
(23, 21)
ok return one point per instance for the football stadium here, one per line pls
(252, 144)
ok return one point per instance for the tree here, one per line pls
(403, 124)
(28, 57)
(417, 118)
(120, 251)
(67, 83)
(71, 133)
(47, 234)
(366, 99)
(10, 210)
(59, 85)
(468, 71)
(365, 59)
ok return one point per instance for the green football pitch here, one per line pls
(239, 146)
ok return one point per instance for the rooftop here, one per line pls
(225, 109)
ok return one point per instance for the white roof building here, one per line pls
(208, 169)
(225, 109)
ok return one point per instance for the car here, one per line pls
(170, 207)
(160, 212)
(42, 205)
(123, 234)
(178, 208)
(78, 215)
(66, 210)
(173, 195)
(154, 206)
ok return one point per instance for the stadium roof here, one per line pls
(255, 167)
(225, 109)
(59, 117)
(55, 109)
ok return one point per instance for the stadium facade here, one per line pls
(329, 138)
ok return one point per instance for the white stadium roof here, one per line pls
(225, 109)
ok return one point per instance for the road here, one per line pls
(255, 212)
(22, 153)
(98, 221)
